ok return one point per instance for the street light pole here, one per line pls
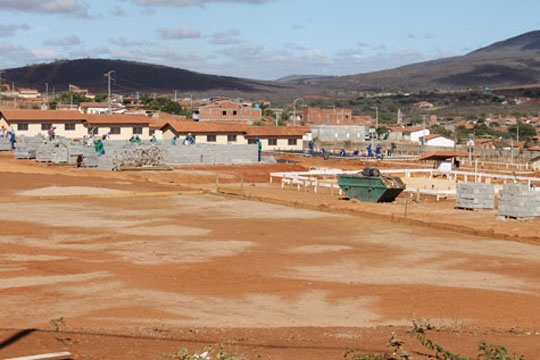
(294, 107)
(376, 120)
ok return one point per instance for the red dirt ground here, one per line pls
(137, 277)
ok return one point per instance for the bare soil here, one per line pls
(138, 277)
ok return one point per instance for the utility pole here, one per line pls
(175, 96)
(423, 133)
(14, 94)
(376, 120)
(47, 93)
(109, 75)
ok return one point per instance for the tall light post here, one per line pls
(294, 107)
(376, 120)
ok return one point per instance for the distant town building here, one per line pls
(227, 110)
(101, 108)
(412, 134)
(314, 115)
(28, 93)
(437, 140)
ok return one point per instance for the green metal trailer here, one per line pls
(370, 186)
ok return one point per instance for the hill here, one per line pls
(512, 62)
(134, 76)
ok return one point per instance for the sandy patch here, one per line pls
(317, 249)
(409, 240)
(68, 190)
(435, 275)
(64, 215)
(24, 281)
(23, 257)
(211, 206)
(157, 252)
(164, 230)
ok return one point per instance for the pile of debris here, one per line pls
(137, 156)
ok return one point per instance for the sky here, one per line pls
(259, 39)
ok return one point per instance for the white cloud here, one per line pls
(118, 11)
(201, 3)
(225, 38)
(45, 54)
(69, 7)
(124, 42)
(64, 42)
(299, 27)
(179, 32)
(411, 36)
(362, 44)
(11, 29)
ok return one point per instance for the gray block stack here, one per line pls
(519, 201)
(5, 144)
(26, 147)
(59, 155)
(475, 196)
(210, 154)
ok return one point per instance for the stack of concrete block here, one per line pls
(475, 196)
(90, 157)
(59, 155)
(105, 162)
(519, 201)
(44, 152)
(5, 144)
(26, 147)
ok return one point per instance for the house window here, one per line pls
(92, 131)
(292, 142)
(22, 127)
(231, 138)
(224, 113)
(45, 126)
(69, 127)
(137, 131)
(252, 141)
(235, 112)
(210, 138)
(272, 142)
(115, 130)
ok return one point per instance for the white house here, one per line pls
(437, 140)
(67, 123)
(100, 108)
(412, 134)
(289, 138)
(118, 126)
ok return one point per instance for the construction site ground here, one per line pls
(140, 264)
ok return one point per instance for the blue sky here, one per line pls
(262, 39)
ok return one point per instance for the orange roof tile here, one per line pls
(274, 131)
(184, 127)
(406, 129)
(117, 119)
(42, 115)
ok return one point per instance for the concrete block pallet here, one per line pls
(519, 201)
(473, 196)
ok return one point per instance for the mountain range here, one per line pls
(512, 62)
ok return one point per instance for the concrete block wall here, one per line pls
(210, 154)
(475, 196)
(339, 133)
(519, 201)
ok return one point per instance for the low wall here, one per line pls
(339, 133)
(210, 154)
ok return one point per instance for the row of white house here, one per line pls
(74, 124)
(419, 135)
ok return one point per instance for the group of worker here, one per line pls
(9, 133)
(378, 153)
(188, 140)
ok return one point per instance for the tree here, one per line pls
(167, 105)
(101, 96)
(68, 98)
(525, 130)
